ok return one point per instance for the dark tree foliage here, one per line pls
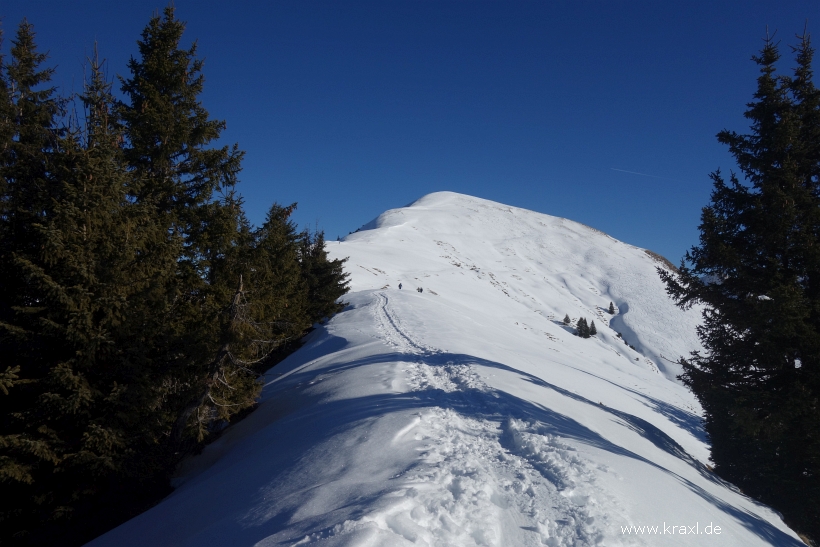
(278, 270)
(190, 185)
(592, 330)
(138, 306)
(567, 320)
(611, 309)
(30, 135)
(757, 272)
(6, 128)
(277, 274)
(167, 127)
(582, 328)
(81, 414)
(326, 279)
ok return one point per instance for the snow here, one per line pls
(468, 414)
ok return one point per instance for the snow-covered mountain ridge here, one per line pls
(468, 414)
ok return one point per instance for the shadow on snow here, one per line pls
(501, 406)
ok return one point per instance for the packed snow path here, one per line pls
(474, 458)
(468, 414)
(482, 457)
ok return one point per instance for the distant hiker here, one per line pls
(420, 289)
(399, 286)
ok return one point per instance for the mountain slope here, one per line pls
(468, 414)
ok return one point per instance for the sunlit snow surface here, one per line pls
(467, 414)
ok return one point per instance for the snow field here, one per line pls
(468, 414)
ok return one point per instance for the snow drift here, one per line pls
(469, 414)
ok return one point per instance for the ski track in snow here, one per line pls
(472, 469)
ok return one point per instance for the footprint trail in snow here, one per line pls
(474, 467)
(468, 414)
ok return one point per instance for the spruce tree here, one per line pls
(267, 310)
(167, 127)
(87, 401)
(326, 279)
(582, 328)
(611, 309)
(137, 304)
(30, 132)
(756, 269)
(280, 273)
(9, 375)
(6, 126)
(191, 185)
(567, 320)
(592, 330)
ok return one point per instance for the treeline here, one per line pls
(757, 271)
(138, 306)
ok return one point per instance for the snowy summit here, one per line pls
(461, 410)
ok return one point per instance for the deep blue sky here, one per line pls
(352, 108)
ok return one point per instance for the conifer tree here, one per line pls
(567, 320)
(278, 247)
(592, 330)
(279, 272)
(84, 387)
(9, 375)
(168, 129)
(611, 309)
(137, 304)
(326, 279)
(6, 126)
(757, 270)
(268, 309)
(29, 131)
(582, 328)
(168, 134)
